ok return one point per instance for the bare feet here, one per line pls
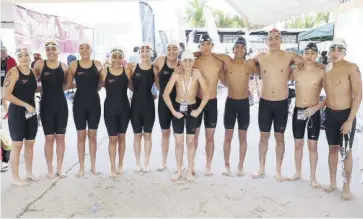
(94, 171)
(138, 169)
(113, 174)
(146, 169)
(227, 171)
(20, 182)
(177, 176)
(32, 178)
(295, 177)
(260, 174)
(346, 195)
(240, 172)
(80, 173)
(120, 171)
(330, 188)
(50, 174)
(162, 169)
(208, 172)
(61, 174)
(190, 178)
(280, 178)
(314, 184)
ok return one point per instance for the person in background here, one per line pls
(135, 58)
(7, 62)
(70, 59)
(36, 56)
(323, 58)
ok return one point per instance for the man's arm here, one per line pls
(70, 75)
(296, 59)
(38, 67)
(320, 65)
(206, 93)
(222, 75)
(356, 83)
(167, 91)
(99, 67)
(156, 68)
(65, 70)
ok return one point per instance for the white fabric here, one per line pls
(187, 54)
(260, 13)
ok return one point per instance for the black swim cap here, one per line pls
(240, 41)
(205, 37)
(311, 46)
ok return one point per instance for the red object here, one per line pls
(10, 63)
(6, 116)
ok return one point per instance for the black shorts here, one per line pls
(142, 116)
(165, 116)
(237, 109)
(54, 120)
(334, 120)
(83, 117)
(312, 123)
(276, 111)
(21, 128)
(210, 113)
(117, 121)
(189, 121)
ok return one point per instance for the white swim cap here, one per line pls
(51, 43)
(173, 43)
(187, 54)
(117, 50)
(84, 42)
(22, 48)
(145, 44)
(338, 43)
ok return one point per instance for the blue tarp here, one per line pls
(323, 33)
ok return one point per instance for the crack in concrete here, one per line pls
(27, 207)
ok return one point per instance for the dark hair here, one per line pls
(323, 53)
(136, 49)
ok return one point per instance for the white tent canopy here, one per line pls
(260, 13)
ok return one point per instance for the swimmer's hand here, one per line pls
(346, 127)
(178, 70)
(29, 108)
(178, 115)
(195, 113)
(311, 111)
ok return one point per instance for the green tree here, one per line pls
(222, 20)
(307, 21)
(195, 13)
(239, 21)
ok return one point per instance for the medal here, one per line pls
(183, 106)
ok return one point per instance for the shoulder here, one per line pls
(352, 67)
(159, 60)
(98, 63)
(13, 72)
(64, 66)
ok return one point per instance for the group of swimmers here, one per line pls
(188, 97)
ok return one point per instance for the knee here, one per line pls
(299, 145)
(209, 136)
(113, 140)
(17, 147)
(137, 137)
(313, 148)
(190, 143)
(147, 136)
(60, 138)
(81, 136)
(166, 133)
(92, 135)
(121, 138)
(264, 137)
(333, 150)
(279, 137)
(228, 136)
(49, 140)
